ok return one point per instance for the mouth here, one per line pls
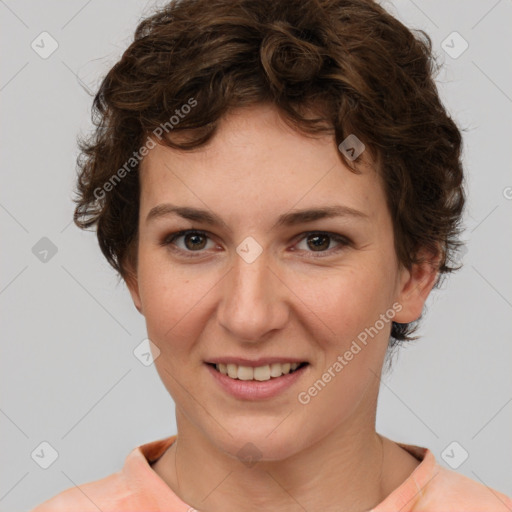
(261, 373)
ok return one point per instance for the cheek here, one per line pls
(170, 298)
(174, 315)
(346, 300)
(346, 376)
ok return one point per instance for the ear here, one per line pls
(415, 286)
(132, 284)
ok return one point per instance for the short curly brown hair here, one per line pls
(360, 70)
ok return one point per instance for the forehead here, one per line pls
(256, 163)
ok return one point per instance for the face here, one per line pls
(253, 280)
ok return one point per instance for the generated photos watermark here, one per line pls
(304, 397)
(136, 158)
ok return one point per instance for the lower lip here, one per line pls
(254, 389)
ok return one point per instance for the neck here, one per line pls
(342, 471)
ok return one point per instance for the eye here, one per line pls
(320, 242)
(192, 241)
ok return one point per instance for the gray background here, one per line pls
(68, 373)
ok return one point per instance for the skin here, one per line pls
(294, 300)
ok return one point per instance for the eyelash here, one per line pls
(169, 239)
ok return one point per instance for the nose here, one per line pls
(254, 300)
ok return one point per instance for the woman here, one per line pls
(280, 188)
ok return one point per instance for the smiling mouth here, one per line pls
(258, 373)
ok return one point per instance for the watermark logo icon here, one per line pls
(44, 455)
(454, 455)
(146, 352)
(249, 250)
(351, 147)
(249, 454)
(454, 45)
(44, 250)
(44, 45)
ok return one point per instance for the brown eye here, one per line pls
(194, 241)
(188, 242)
(318, 242)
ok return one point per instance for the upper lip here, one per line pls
(262, 361)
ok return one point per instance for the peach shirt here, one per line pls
(137, 488)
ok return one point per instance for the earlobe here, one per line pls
(415, 286)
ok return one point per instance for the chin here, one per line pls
(261, 442)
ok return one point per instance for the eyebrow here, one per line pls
(291, 218)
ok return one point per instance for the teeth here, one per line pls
(260, 373)
(245, 373)
(276, 370)
(232, 370)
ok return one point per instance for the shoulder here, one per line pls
(89, 497)
(434, 488)
(135, 487)
(450, 491)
